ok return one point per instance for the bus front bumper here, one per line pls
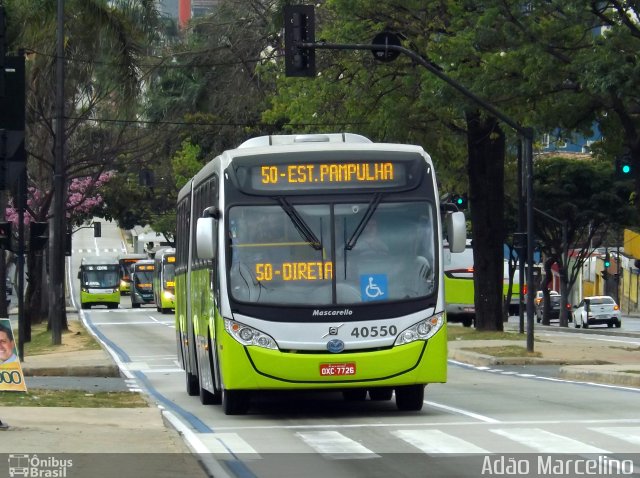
(253, 367)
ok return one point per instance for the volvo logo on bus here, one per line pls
(335, 346)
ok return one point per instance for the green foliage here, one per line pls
(186, 163)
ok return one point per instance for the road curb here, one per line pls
(474, 358)
(612, 377)
(73, 371)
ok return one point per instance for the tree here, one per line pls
(104, 82)
(584, 193)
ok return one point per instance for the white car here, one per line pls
(597, 310)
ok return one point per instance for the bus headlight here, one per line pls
(423, 330)
(168, 295)
(248, 335)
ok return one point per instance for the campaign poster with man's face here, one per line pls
(11, 376)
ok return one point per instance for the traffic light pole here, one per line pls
(525, 133)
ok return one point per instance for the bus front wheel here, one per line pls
(410, 397)
(235, 402)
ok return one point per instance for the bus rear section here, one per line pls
(142, 283)
(458, 285)
(312, 266)
(99, 282)
(164, 285)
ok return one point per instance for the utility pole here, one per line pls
(57, 310)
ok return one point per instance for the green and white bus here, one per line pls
(279, 286)
(142, 273)
(126, 262)
(459, 286)
(99, 282)
(164, 276)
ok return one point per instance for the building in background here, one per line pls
(185, 10)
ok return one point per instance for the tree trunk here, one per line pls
(486, 147)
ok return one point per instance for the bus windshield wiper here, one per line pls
(302, 227)
(373, 205)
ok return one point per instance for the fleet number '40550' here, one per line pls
(374, 331)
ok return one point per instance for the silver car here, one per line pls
(597, 310)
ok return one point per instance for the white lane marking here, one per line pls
(436, 441)
(540, 377)
(546, 442)
(335, 445)
(460, 411)
(628, 434)
(429, 425)
(234, 444)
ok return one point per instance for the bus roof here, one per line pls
(133, 256)
(144, 262)
(98, 260)
(333, 142)
(281, 139)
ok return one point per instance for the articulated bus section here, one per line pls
(313, 262)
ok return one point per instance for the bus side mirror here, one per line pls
(79, 274)
(206, 240)
(456, 231)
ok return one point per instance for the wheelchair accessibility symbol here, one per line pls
(373, 287)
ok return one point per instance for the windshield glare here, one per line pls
(273, 261)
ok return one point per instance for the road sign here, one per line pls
(384, 39)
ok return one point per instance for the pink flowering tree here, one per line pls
(83, 201)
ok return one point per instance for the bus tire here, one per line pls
(235, 402)
(193, 387)
(85, 306)
(410, 398)
(135, 305)
(207, 397)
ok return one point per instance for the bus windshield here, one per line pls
(273, 260)
(144, 277)
(100, 276)
(169, 277)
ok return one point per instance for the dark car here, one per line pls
(555, 305)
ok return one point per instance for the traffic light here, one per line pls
(607, 260)
(5, 235)
(67, 244)
(460, 200)
(299, 27)
(624, 168)
(38, 235)
(97, 229)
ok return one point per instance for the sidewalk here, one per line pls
(579, 357)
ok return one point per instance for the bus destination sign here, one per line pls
(376, 174)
